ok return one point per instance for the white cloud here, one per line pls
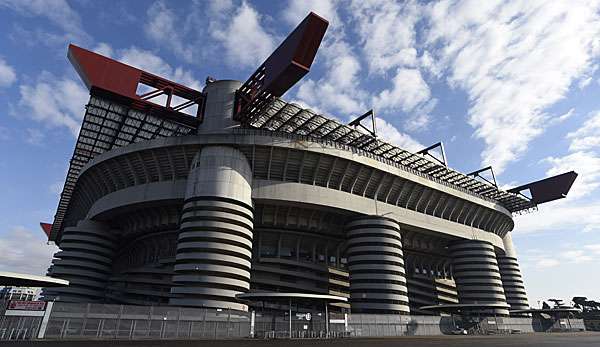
(297, 10)
(566, 115)
(58, 12)
(7, 74)
(417, 122)
(56, 187)
(104, 49)
(165, 27)
(584, 82)
(429, 64)
(588, 136)
(565, 256)
(547, 262)
(579, 211)
(245, 42)
(24, 251)
(56, 102)
(220, 7)
(389, 133)
(514, 60)
(408, 91)
(34, 136)
(577, 256)
(337, 91)
(387, 33)
(410, 94)
(151, 62)
(594, 248)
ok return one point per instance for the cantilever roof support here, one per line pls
(548, 189)
(282, 69)
(476, 173)
(357, 122)
(425, 151)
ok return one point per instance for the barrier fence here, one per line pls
(128, 322)
(150, 322)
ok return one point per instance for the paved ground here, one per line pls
(527, 340)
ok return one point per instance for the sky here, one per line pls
(512, 84)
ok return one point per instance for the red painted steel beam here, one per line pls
(98, 71)
(108, 77)
(46, 228)
(283, 68)
(294, 56)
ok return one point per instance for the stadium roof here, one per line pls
(136, 116)
(106, 126)
(26, 280)
(280, 116)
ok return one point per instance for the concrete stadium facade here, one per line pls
(197, 219)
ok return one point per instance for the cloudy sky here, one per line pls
(510, 84)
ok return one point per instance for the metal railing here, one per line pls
(129, 322)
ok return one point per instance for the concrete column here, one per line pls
(214, 247)
(477, 276)
(512, 281)
(376, 266)
(218, 111)
(85, 260)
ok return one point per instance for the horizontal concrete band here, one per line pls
(514, 288)
(376, 266)
(477, 275)
(85, 261)
(159, 154)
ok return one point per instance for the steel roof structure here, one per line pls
(27, 280)
(132, 117)
(280, 116)
(107, 125)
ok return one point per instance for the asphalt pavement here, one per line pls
(587, 339)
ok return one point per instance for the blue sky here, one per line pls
(511, 84)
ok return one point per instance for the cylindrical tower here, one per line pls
(376, 266)
(512, 281)
(214, 246)
(477, 276)
(85, 260)
(218, 111)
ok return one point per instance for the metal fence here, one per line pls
(68, 321)
(100, 321)
(19, 327)
(396, 325)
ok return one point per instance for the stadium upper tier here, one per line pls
(280, 116)
(282, 157)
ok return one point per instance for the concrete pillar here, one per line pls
(512, 281)
(218, 111)
(85, 260)
(214, 247)
(376, 266)
(477, 276)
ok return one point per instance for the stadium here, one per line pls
(231, 198)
